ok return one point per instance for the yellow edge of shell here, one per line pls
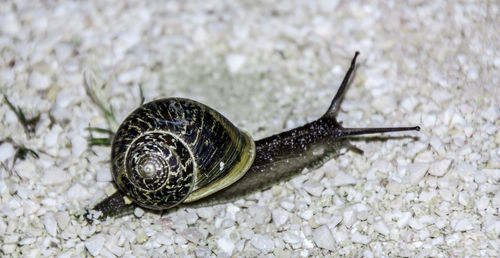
(238, 171)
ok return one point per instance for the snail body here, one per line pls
(178, 152)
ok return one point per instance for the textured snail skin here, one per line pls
(281, 156)
(277, 158)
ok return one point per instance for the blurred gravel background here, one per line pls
(268, 66)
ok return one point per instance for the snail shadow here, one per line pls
(349, 147)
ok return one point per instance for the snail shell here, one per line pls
(177, 150)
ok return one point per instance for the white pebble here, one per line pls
(463, 198)
(162, 238)
(428, 196)
(409, 104)
(63, 51)
(55, 176)
(260, 214)
(437, 145)
(492, 173)
(202, 251)
(226, 245)
(141, 237)
(191, 217)
(62, 219)
(235, 62)
(493, 227)
(128, 235)
(94, 244)
(25, 241)
(9, 248)
(403, 219)
(439, 168)
(64, 98)
(49, 202)
(427, 219)
(340, 236)
(480, 177)
(103, 174)
(138, 212)
(469, 130)
(416, 224)
(12, 204)
(132, 75)
(306, 215)
(458, 119)
(342, 178)
(441, 95)
(232, 211)
(287, 205)
(441, 224)
(26, 169)
(416, 171)
(9, 23)
(324, 28)
(314, 188)
(279, 217)
(30, 207)
(417, 147)
(290, 237)
(334, 221)
(78, 145)
(496, 62)
(124, 42)
(264, 243)
(359, 238)
(192, 234)
(491, 114)
(381, 227)
(323, 238)
(349, 217)
(39, 80)
(429, 121)
(307, 243)
(51, 138)
(6, 151)
(77, 192)
(462, 224)
(384, 104)
(320, 219)
(205, 212)
(12, 239)
(50, 224)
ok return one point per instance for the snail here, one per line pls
(177, 152)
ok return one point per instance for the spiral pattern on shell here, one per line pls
(170, 149)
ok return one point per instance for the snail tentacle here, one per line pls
(334, 108)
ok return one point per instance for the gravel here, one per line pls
(267, 66)
(226, 245)
(95, 244)
(323, 238)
